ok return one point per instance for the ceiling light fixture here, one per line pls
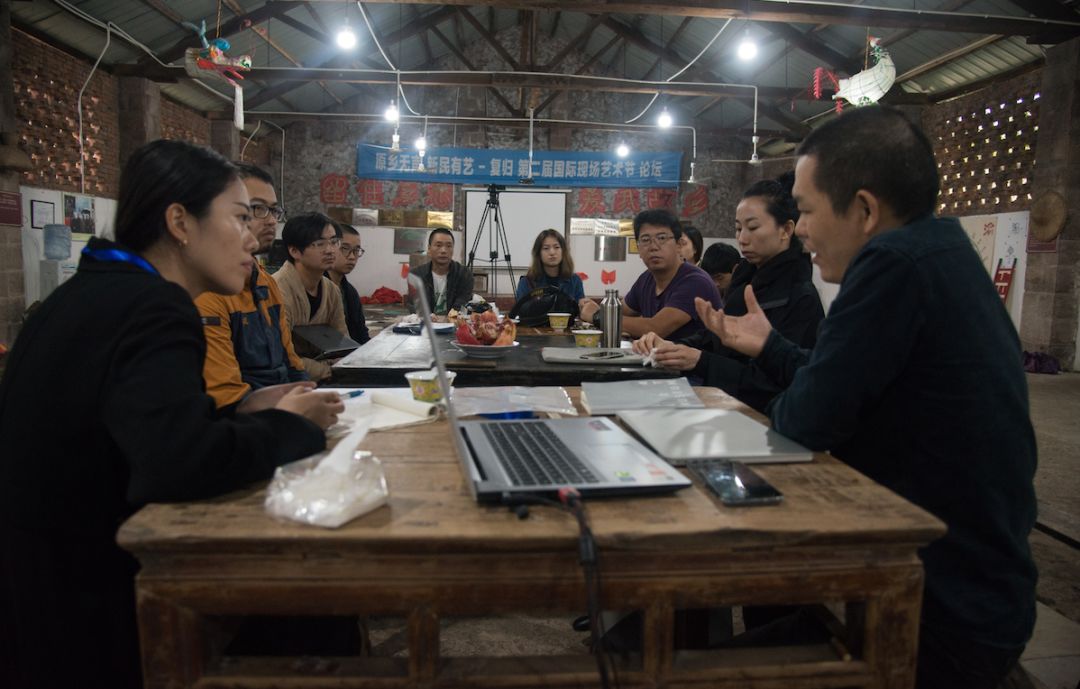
(622, 150)
(346, 39)
(664, 121)
(747, 48)
(421, 147)
(392, 112)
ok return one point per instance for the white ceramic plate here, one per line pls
(485, 351)
(443, 328)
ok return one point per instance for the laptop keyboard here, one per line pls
(532, 454)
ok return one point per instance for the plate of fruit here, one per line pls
(485, 335)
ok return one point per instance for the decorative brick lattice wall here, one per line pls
(180, 123)
(47, 83)
(985, 147)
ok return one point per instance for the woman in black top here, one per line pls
(103, 409)
(774, 263)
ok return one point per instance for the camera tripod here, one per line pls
(492, 220)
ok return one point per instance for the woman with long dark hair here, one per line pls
(103, 409)
(552, 266)
(775, 264)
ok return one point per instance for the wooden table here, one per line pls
(433, 553)
(384, 360)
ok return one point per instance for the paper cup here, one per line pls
(559, 321)
(587, 338)
(425, 384)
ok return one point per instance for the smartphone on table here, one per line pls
(736, 484)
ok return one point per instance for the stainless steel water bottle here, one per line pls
(611, 320)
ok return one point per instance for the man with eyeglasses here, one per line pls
(349, 252)
(248, 341)
(313, 241)
(662, 298)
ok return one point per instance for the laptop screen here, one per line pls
(419, 295)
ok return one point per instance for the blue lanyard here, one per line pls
(119, 256)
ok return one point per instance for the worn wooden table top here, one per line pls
(430, 511)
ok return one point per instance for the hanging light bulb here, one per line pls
(421, 144)
(664, 120)
(622, 150)
(747, 49)
(392, 112)
(346, 39)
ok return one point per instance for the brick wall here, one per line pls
(47, 83)
(183, 124)
(325, 150)
(985, 144)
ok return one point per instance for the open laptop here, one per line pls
(504, 459)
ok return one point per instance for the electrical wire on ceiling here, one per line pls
(375, 40)
(676, 75)
(130, 39)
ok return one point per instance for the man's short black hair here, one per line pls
(878, 149)
(720, 258)
(659, 217)
(249, 170)
(440, 230)
(345, 228)
(303, 230)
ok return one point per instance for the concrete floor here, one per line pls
(1052, 657)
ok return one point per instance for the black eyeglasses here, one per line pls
(355, 251)
(261, 210)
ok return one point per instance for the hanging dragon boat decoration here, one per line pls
(865, 88)
(211, 61)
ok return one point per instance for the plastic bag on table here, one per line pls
(330, 488)
(512, 398)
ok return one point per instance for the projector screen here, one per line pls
(525, 212)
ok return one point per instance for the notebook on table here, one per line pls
(683, 436)
(502, 460)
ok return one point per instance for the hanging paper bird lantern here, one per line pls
(869, 85)
(866, 87)
(211, 61)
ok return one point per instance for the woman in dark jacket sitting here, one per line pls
(774, 263)
(103, 409)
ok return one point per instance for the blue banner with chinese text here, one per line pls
(494, 166)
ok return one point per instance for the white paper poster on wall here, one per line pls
(1002, 238)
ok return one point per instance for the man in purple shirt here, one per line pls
(662, 298)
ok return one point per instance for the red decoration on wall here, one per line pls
(607, 277)
(371, 193)
(1003, 278)
(408, 194)
(628, 200)
(439, 197)
(333, 189)
(695, 202)
(590, 202)
(404, 271)
(583, 276)
(660, 198)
